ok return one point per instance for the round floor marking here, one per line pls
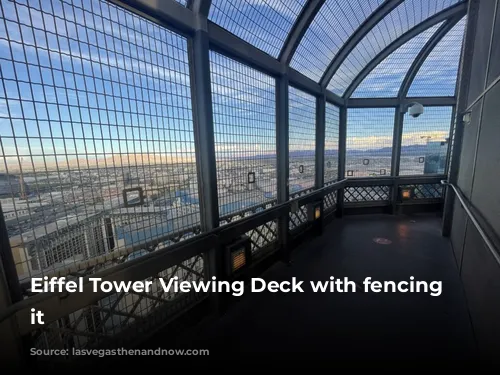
(382, 241)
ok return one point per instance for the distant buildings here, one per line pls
(435, 157)
(53, 245)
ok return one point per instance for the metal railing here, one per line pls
(467, 207)
(67, 315)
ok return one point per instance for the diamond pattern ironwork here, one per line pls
(367, 193)
(122, 317)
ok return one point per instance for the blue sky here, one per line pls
(100, 81)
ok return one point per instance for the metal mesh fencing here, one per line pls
(331, 143)
(97, 146)
(369, 142)
(385, 80)
(438, 74)
(403, 18)
(245, 135)
(425, 142)
(264, 24)
(330, 29)
(301, 140)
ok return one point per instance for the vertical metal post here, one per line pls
(320, 141)
(8, 263)
(396, 155)
(320, 153)
(342, 158)
(199, 63)
(463, 92)
(282, 160)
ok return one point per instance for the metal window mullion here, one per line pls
(397, 138)
(341, 156)
(282, 126)
(201, 96)
(320, 141)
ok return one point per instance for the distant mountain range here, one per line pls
(385, 151)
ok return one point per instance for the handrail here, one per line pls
(482, 233)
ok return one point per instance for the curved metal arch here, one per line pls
(456, 10)
(298, 30)
(383, 10)
(424, 53)
(201, 7)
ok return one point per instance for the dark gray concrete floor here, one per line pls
(358, 326)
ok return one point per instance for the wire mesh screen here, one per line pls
(264, 24)
(425, 141)
(330, 29)
(369, 142)
(97, 147)
(404, 17)
(331, 143)
(438, 74)
(385, 80)
(245, 135)
(301, 140)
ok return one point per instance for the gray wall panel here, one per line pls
(481, 278)
(495, 50)
(485, 194)
(479, 179)
(458, 231)
(481, 49)
(468, 151)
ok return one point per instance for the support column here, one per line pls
(396, 155)
(320, 155)
(463, 91)
(282, 161)
(201, 94)
(342, 159)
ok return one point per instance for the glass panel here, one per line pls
(96, 112)
(330, 29)
(404, 17)
(331, 142)
(438, 74)
(301, 140)
(425, 140)
(385, 80)
(264, 24)
(369, 142)
(244, 110)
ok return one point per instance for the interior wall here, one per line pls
(479, 174)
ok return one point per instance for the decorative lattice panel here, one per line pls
(356, 194)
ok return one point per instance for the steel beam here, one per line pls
(457, 10)
(298, 30)
(206, 168)
(201, 95)
(383, 10)
(463, 90)
(320, 141)
(282, 162)
(170, 14)
(341, 155)
(167, 13)
(201, 7)
(424, 53)
(396, 154)
(394, 102)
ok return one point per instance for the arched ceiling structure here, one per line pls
(347, 46)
